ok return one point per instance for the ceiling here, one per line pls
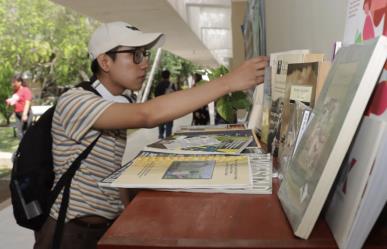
(197, 30)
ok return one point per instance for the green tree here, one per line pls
(45, 39)
(5, 90)
(180, 68)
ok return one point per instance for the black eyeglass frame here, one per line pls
(138, 55)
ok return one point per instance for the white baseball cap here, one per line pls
(113, 34)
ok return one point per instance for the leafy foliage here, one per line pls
(44, 39)
(5, 90)
(180, 68)
(227, 105)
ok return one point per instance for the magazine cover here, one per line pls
(228, 132)
(325, 142)
(205, 128)
(261, 173)
(206, 171)
(260, 168)
(202, 144)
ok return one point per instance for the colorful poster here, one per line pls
(366, 19)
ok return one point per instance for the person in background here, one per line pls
(119, 53)
(165, 87)
(21, 102)
(200, 116)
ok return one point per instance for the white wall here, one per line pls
(304, 24)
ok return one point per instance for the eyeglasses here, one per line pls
(138, 55)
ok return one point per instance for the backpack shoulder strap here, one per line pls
(65, 181)
(87, 86)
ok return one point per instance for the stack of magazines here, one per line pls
(216, 161)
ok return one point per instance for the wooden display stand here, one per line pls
(198, 220)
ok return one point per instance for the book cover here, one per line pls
(254, 116)
(297, 125)
(279, 63)
(205, 171)
(301, 83)
(202, 144)
(266, 105)
(107, 181)
(253, 29)
(304, 83)
(373, 200)
(378, 103)
(352, 182)
(325, 142)
(365, 20)
(323, 69)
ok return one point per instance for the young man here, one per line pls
(119, 52)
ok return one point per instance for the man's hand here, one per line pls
(247, 75)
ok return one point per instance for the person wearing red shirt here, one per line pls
(21, 101)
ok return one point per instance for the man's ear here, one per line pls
(104, 62)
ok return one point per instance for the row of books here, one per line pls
(326, 124)
(360, 190)
(329, 146)
(199, 159)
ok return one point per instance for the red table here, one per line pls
(197, 220)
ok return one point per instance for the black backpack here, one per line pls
(32, 175)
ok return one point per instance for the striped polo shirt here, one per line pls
(75, 113)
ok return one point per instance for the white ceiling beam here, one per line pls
(150, 16)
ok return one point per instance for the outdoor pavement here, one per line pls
(5, 159)
(13, 236)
